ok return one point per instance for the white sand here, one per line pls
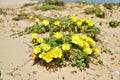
(12, 3)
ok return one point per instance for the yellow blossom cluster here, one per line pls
(45, 51)
(86, 43)
(81, 21)
(45, 21)
(38, 39)
(57, 23)
(58, 35)
(46, 54)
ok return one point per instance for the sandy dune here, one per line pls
(15, 60)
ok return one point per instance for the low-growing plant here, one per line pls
(2, 12)
(20, 16)
(107, 50)
(100, 13)
(51, 7)
(63, 49)
(16, 19)
(114, 24)
(108, 6)
(81, 4)
(54, 2)
(72, 25)
(90, 10)
(96, 10)
(28, 4)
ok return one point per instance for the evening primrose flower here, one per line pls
(79, 23)
(74, 18)
(82, 19)
(87, 50)
(34, 35)
(56, 52)
(75, 39)
(58, 35)
(87, 20)
(40, 39)
(45, 22)
(90, 24)
(30, 17)
(85, 44)
(81, 43)
(91, 41)
(45, 47)
(37, 49)
(46, 56)
(96, 49)
(37, 20)
(56, 23)
(84, 37)
(66, 46)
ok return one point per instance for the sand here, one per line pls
(15, 60)
(13, 3)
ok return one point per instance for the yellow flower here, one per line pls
(87, 50)
(91, 41)
(84, 37)
(56, 52)
(82, 19)
(96, 50)
(75, 39)
(66, 46)
(40, 39)
(45, 47)
(56, 23)
(46, 56)
(37, 20)
(90, 24)
(74, 18)
(45, 22)
(30, 17)
(58, 35)
(87, 20)
(81, 43)
(37, 49)
(85, 44)
(79, 23)
(34, 35)
(101, 13)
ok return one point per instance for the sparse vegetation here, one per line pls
(108, 6)
(90, 10)
(51, 7)
(28, 4)
(54, 2)
(100, 13)
(20, 16)
(65, 24)
(114, 24)
(2, 12)
(96, 10)
(107, 50)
